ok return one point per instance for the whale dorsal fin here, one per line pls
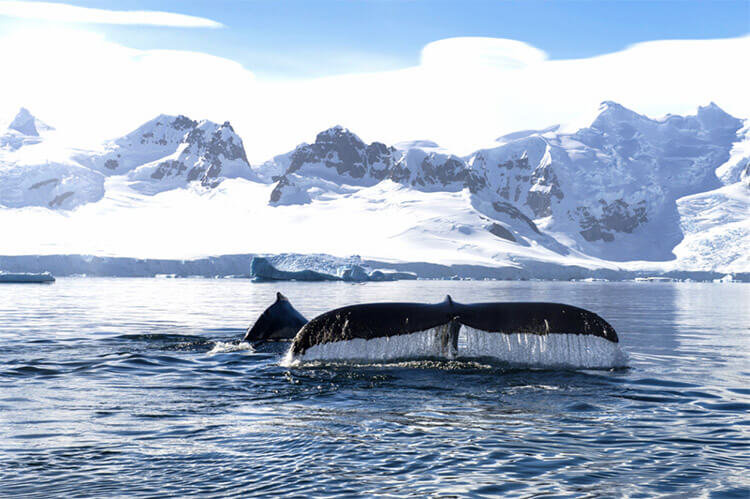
(280, 297)
(448, 300)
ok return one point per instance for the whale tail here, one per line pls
(533, 333)
(279, 322)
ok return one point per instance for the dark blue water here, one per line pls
(133, 387)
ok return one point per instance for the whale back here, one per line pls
(279, 322)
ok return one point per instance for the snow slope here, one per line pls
(611, 189)
(168, 152)
(25, 129)
(627, 192)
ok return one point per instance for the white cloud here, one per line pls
(66, 13)
(464, 93)
(473, 52)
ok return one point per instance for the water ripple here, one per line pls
(153, 394)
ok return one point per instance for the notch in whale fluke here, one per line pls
(385, 331)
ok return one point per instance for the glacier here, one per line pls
(626, 196)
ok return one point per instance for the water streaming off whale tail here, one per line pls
(576, 351)
(542, 350)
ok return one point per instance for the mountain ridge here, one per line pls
(626, 188)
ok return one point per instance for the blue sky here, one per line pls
(461, 73)
(302, 38)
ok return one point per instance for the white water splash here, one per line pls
(532, 350)
(226, 347)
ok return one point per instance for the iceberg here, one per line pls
(25, 277)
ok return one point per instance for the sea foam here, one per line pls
(226, 347)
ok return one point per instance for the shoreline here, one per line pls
(239, 266)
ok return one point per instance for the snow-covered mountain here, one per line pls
(340, 161)
(626, 192)
(165, 153)
(611, 188)
(34, 175)
(25, 129)
(169, 152)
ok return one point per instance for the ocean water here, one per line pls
(138, 387)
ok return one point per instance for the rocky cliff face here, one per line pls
(165, 153)
(340, 160)
(207, 154)
(608, 185)
(609, 182)
(627, 187)
(152, 141)
(172, 151)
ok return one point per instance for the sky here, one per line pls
(457, 72)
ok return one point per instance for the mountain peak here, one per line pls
(712, 116)
(613, 116)
(335, 134)
(617, 111)
(27, 124)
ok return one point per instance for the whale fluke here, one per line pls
(370, 320)
(534, 333)
(534, 318)
(279, 322)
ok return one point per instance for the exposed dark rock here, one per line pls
(434, 172)
(184, 123)
(540, 201)
(513, 212)
(169, 168)
(279, 189)
(52, 181)
(617, 216)
(60, 199)
(347, 156)
(501, 232)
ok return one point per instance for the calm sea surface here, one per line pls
(135, 387)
